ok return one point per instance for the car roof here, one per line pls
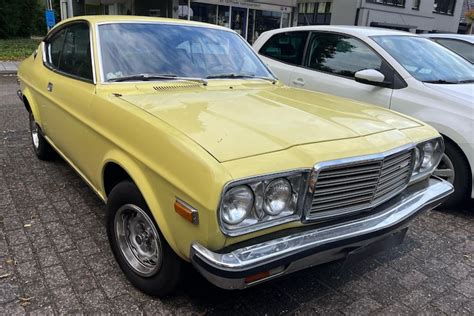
(462, 37)
(360, 31)
(99, 19)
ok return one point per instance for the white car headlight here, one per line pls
(277, 196)
(237, 204)
(427, 157)
(257, 203)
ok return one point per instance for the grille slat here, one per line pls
(342, 189)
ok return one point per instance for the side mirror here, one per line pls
(372, 77)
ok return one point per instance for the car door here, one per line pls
(283, 52)
(68, 89)
(330, 63)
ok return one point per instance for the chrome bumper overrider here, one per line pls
(283, 255)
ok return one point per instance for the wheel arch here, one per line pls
(118, 167)
(30, 105)
(464, 156)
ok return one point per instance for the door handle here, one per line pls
(299, 82)
(50, 87)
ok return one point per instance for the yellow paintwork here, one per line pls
(188, 141)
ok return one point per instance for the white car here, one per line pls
(393, 69)
(461, 44)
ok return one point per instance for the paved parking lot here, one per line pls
(54, 254)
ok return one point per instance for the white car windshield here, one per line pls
(160, 51)
(426, 60)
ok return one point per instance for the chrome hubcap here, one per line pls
(138, 240)
(445, 169)
(34, 132)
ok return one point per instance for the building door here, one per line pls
(239, 21)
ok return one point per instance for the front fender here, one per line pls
(160, 196)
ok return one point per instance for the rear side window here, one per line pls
(286, 47)
(340, 54)
(70, 52)
(55, 48)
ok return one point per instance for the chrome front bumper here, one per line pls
(248, 265)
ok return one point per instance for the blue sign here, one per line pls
(50, 19)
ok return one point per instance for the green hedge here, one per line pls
(23, 18)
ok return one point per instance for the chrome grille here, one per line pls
(342, 188)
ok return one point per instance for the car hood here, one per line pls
(464, 92)
(247, 120)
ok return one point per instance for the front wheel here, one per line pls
(454, 168)
(140, 249)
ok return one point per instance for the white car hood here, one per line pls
(463, 91)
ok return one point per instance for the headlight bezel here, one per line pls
(259, 219)
(421, 172)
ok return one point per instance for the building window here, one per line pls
(183, 10)
(416, 4)
(444, 6)
(203, 12)
(314, 13)
(394, 3)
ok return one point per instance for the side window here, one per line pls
(286, 47)
(341, 55)
(74, 55)
(464, 49)
(55, 48)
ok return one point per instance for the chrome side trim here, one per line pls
(394, 216)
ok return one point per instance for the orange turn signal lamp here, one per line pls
(186, 211)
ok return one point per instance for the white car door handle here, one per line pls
(298, 82)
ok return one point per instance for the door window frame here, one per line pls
(397, 83)
(46, 51)
(305, 46)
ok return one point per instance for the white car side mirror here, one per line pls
(372, 77)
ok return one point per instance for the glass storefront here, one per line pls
(244, 18)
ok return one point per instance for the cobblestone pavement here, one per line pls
(54, 254)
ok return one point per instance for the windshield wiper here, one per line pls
(148, 77)
(440, 81)
(240, 76)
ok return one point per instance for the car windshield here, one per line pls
(426, 60)
(160, 51)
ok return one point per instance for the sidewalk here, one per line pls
(9, 67)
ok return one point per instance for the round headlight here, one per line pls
(428, 151)
(237, 204)
(277, 196)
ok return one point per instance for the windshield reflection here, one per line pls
(128, 49)
(426, 60)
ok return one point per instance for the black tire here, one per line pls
(168, 274)
(42, 148)
(462, 175)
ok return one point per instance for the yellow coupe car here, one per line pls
(203, 156)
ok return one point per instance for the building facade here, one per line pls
(247, 17)
(419, 16)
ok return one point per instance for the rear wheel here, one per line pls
(143, 254)
(43, 149)
(454, 168)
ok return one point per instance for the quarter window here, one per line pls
(340, 55)
(286, 47)
(70, 51)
